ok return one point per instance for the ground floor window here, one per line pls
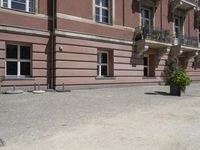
(102, 63)
(18, 60)
(146, 66)
(149, 65)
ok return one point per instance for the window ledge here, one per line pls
(149, 78)
(18, 78)
(105, 78)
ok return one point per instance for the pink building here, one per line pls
(96, 42)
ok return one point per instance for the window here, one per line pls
(149, 65)
(102, 64)
(146, 19)
(103, 11)
(21, 5)
(177, 26)
(18, 60)
(146, 66)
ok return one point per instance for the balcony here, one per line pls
(155, 38)
(155, 35)
(183, 4)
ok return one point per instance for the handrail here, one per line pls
(152, 34)
(185, 40)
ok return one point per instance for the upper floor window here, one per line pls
(177, 26)
(146, 19)
(21, 5)
(103, 11)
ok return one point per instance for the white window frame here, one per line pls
(177, 26)
(143, 19)
(147, 66)
(18, 60)
(109, 8)
(26, 5)
(99, 64)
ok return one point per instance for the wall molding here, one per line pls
(4, 28)
(91, 37)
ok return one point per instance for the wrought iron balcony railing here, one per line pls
(154, 34)
(187, 41)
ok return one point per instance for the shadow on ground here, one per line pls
(158, 93)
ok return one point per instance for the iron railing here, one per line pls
(187, 40)
(192, 1)
(152, 34)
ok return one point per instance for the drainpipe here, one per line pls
(161, 13)
(52, 73)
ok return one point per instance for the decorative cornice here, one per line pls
(92, 37)
(4, 28)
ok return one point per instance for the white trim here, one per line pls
(110, 10)
(26, 6)
(92, 37)
(143, 19)
(18, 60)
(100, 64)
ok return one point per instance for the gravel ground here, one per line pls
(140, 118)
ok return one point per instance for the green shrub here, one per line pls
(179, 78)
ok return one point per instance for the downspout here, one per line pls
(52, 81)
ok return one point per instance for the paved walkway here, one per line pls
(131, 118)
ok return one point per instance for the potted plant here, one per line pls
(176, 77)
(178, 81)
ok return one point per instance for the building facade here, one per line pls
(96, 42)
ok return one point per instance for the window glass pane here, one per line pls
(104, 70)
(145, 71)
(11, 68)
(177, 32)
(104, 3)
(24, 52)
(97, 14)
(31, 5)
(176, 22)
(5, 3)
(105, 19)
(145, 61)
(18, 4)
(146, 14)
(11, 51)
(97, 2)
(105, 12)
(25, 68)
(104, 58)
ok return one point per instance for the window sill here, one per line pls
(18, 11)
(104, 23)
(105, 78)
(18, 78)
